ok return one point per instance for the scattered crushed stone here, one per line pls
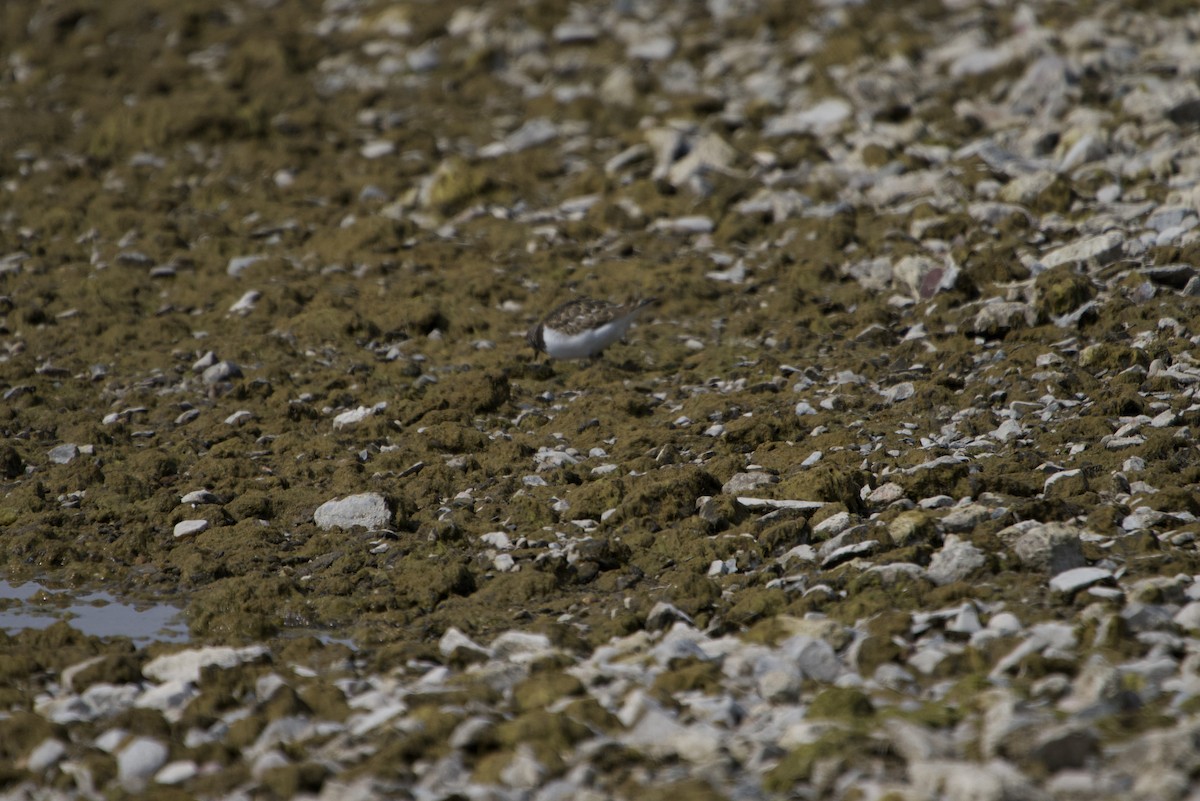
(893, 495)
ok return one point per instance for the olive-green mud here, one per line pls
(146, 146)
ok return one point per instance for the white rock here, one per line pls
(198, 497)
(1163, 419)
(619, 88)
(778, 504)
(267, 760)
(813, 657)
(995, 780)
(377, 148)
(780, 685)
(496, 539)
(1059, 637)
(138, 761)
(899, 392)
(847, 552)
(1188, 618)
(187, 528)
(186, 665)
(238, 264)
(833, 525)
(885, 494)
(709, 153)
(1103, 249)
(45, 754)
(655, 48)
(1142, 517)
(100, 700)
(663, 614)
(63, 454)
(956, 560)
(532, 133)
(111, 740)
(695, 224)
(1047, 546)
(246, 303)
(369, 510)
(1078, 578)
(1088, 147)
(285, 730)
(524, 772)
(359, 725)
(926, 659)
(204, 362)
(966, 621)
(658, 733)
(471, 731)
(240, 417)
(912, 741)
(454, 639)
(733, 275)
(999, 316)
(351, 417)
(1007, 430)
(424, 57)
(1085, 784)
(978, 60)
(186, 416)
(221, 371)
(741, 483)
(177, 772)
(572, 32)
(171, 697)
(825, 117)
(266, 686)
(520, 645)
(1098, 681)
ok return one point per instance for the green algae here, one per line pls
(695, 675)
(797, 766)
(543, 689)
(842, 704)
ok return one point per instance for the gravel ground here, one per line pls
(893, 495)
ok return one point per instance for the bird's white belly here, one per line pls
(585, 343)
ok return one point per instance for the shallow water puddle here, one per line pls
(30, 605)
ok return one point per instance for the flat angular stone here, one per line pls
(1079, 578)
(369, 510)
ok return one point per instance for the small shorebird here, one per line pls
(582, 328)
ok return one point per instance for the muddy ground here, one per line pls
(159, 160)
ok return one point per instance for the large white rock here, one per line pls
(138, 761)
(1103, 248)
(369, 510)
(186, 528)
(46, 755)
(955, 561)
(1078, 578)
(186, 665)
(171, 697)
